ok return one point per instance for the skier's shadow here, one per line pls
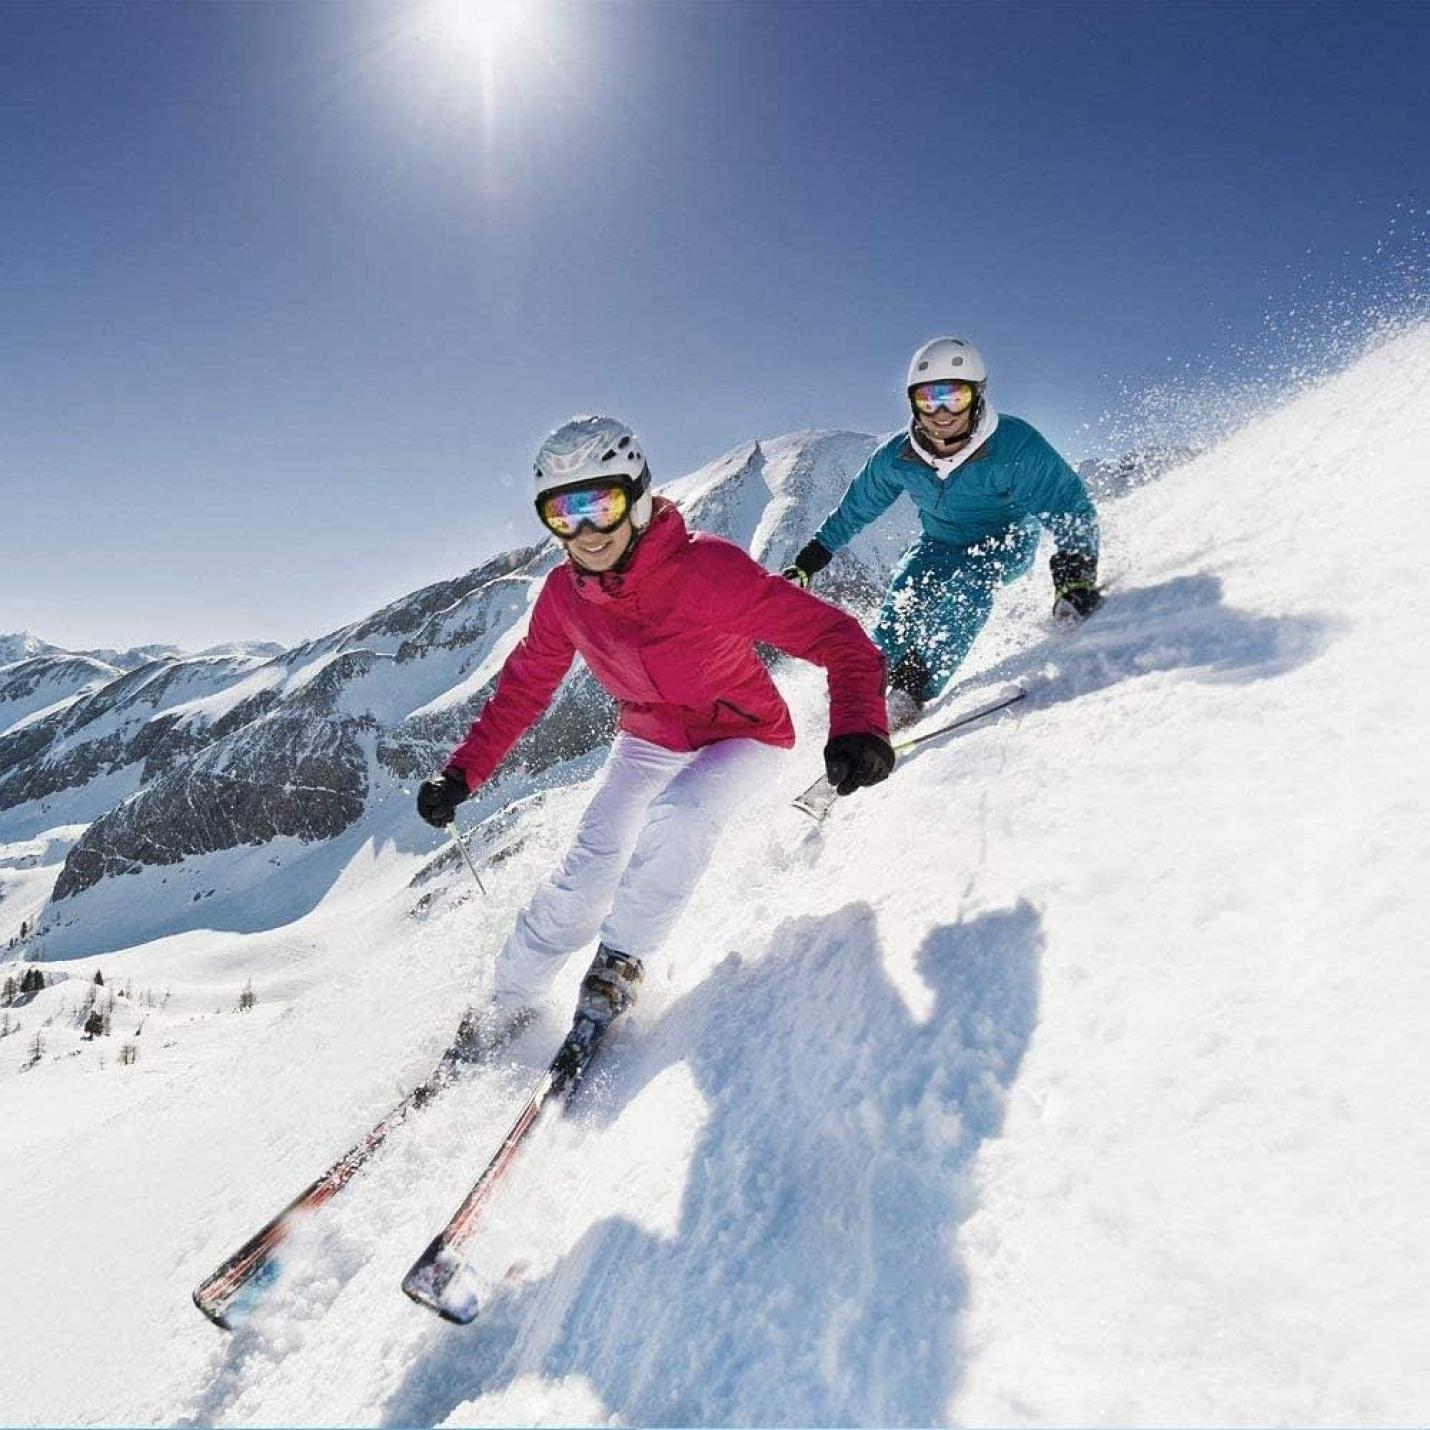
(1184, 625)
(814, 1278)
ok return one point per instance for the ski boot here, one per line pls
(904, 710)
(907, 682)
(607, 990)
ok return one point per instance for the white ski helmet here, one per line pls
(586, 449)
(947, 360)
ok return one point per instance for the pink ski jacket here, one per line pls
(672, 637)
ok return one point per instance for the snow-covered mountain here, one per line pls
(1069, 1077)
(22, 645)
(41, 684)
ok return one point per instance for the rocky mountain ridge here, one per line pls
(24, 645)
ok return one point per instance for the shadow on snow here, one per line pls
(813, 1279)
(1182, 624)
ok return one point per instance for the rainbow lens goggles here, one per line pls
(602, 506)
(928, 397)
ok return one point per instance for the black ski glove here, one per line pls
(438, 798)
(854, 760)
(1075, 593)
(812, 559)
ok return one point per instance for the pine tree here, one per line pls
(94, 1024)
(247, 998)
(99, 977)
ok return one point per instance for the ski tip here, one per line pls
(431, 1292)
(211, 1313)
(464, 1317)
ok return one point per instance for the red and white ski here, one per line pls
(443, 1278)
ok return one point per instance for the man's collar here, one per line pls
(947, 466)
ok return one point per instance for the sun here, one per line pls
(480, 29)
(486, 75)
(481, 40)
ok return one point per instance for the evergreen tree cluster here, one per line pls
(31, 981)
(98, 1009)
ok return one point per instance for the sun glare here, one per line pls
(488, 77)
(483, 42)
(480, 30)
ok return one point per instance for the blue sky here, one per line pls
(291, 291)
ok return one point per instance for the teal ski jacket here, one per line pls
(1015, 479)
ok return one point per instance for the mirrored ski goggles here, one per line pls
(602, 507)
(928, 397)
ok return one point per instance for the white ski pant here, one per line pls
(640, 849)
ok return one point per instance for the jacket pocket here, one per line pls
(736, 712)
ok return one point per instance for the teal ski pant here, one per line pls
(939, 599)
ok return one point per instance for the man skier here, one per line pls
(984, 484)
(667, 621)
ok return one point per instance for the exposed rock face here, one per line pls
(240, 748)
(281, 775)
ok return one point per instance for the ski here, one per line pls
(232, 1291)
(443, 1278)
(819, 798)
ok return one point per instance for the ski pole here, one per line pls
(466, 854)
(1000, 702)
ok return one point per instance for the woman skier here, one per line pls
(984, 485)
(666, 620)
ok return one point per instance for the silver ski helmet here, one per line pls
(589, 450)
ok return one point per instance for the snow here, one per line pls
(32, 692)
(1073, 1076)
(213, 707)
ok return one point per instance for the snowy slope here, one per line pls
(1072, 1076)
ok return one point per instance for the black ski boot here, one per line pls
(907, 683)
(609, 987)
